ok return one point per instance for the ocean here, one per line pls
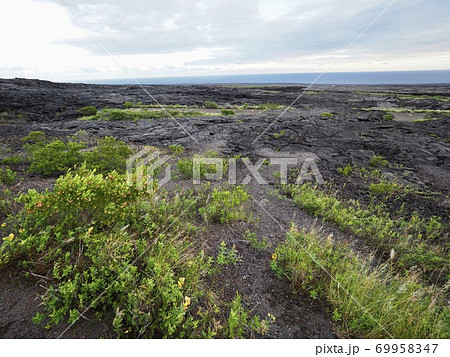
(361, 78)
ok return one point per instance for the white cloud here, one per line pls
(172, 37)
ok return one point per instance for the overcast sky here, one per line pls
(159, 38)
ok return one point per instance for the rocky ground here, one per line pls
(328, 124)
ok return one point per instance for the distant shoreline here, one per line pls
(439, 77)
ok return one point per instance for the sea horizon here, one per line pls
(430, 77)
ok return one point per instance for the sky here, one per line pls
(69, 40)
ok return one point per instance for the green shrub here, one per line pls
(388, 117)
(211, 105)
(369, 302)
(280, 134)
(346, 170)
(327, 115)
(227, 112)
(382, 188)
(88, 111)
(176, 149)
(377, 161)
(109, 154)
(112, 248)
(7, 176)
(35, 137)
(54, 157)
(225, 205)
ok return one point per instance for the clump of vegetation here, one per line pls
(280, 134)
(225, 205)
(135, 115)
(54, 157)
(109, 155)
(327, 115)
(346, 170)
(176, 149)
(368, 302)
(267, 106)
(259, 244)
(414, 240)
(7, 176)
(383, 188)
(110, 247)
(88, 110)
(227, 256)
(227, 112)
(211, 105)
(388, 117)
(377, 161)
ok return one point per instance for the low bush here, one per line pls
(109, 154)
(225, 205)
(54, 157)
(114, 249)
(211, 105)
(227, 112)
(7, 176)
(88, 110)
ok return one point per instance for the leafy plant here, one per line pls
(280, 134)
(109, 154)
(211, 105)
(176, 149)
(377, 161)
(7, 176)
(227, 112)
(260, 244)
(225, 205)
(88, 110)
(346, 170)
(382, 188)
(227, 256)
(54, 157)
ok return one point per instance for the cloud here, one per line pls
(221, 35)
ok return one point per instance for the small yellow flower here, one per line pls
(181, 282)
(3, 225)
(187, 302)
(90, 230)
(274, 256)
(10, 237)
(21, 230)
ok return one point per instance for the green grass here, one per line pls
(417, 242)
(388, 117)
(407, 96)
(88, 111)
(186, 165)
(365, 301)
(135, 115)
(280, 134)
(211, 105)
(406, 110)
(326, 115)
(227, 112)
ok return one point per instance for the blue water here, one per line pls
(403, 77)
